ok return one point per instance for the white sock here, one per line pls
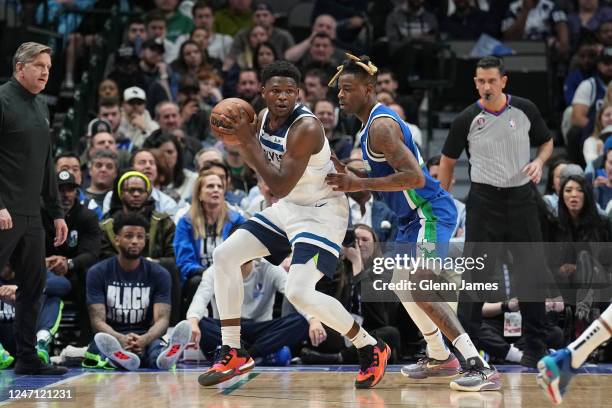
(43, 335)
(464, 344)
(362, 339)
(598, 332)
(435, 343)
(230, 336)
(514, 355)
(436, 348)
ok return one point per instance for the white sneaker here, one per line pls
(178, 340)
(110, 347)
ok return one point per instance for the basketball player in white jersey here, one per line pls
(288, 148)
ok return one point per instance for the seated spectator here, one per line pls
(207, 155)
(155, 74)
(387, 82)
(233, 18)
(219, 44)
(80, 250)
(56, 287)
(323, 24)
(263, 336)
(315, 81)
(350, 15)
(365, 210)
(178, 26)
(181, 179)
(233, 196)
(262, 200)
(136, 123)
(206, 225)
(586, 56)
(587, 18)
(132, 194)
(190, 61)
(321, 54)
(500, 346)
(244, 53)
(195, 118)
(169, 118)
(102, 139)
(410, 21)
(249, 87)
(110, 110)
(604, 34)
(263, 16)
(588, 97)
(330, 348)
(129, 305)
(103, 169)
(603, 184)
(467, 22)
(135, 34)
(581, 259)
(264, 55)
(433, 167)
(108, 89)
(553, 183)
(417, 136)
(210, 90)
(243, 177)
(538, 20)
(326, 111)
(593, 145)
(70, 161)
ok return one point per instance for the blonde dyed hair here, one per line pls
(198, 212)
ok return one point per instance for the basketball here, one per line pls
(219, 116)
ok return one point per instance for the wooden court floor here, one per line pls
(310, 387)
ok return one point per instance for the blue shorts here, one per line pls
(421, 236)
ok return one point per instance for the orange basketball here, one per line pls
(218, 118)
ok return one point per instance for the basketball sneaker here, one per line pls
(42, 350)
(373, 363)
(5, 358)
(555, 374)
(110, 348)
(178, 340)
(477, 378)
(430, 367)
(230, 363)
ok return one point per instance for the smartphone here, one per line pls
(349, 238)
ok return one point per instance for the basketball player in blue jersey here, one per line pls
(288, 148)
(426, 213)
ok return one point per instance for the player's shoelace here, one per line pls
(224, 361)
(369, 358)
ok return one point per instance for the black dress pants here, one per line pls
(24, 247)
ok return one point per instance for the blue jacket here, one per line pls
(187, 248)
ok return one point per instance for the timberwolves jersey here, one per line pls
(430, 203)
(312, 186)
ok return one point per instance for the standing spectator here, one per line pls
(26, 176)
(219, 44)
(263, 16)
(136, 123)
(497, 131)
(235, 17)
(539, 20)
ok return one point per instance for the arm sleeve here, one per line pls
(49, 191)
(163, 284)
(203, 296)
(457, 137)
(89, 241)
(538, 132)
(95, 286)
(186, 258)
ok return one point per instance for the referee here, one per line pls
(26, 175)
(497, 132)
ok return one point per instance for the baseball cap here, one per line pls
(65, 178)
(134, 93)
(155, 44)
(606, 55)
(264, 5)
(98, 125)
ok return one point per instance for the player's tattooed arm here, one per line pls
(97, 317)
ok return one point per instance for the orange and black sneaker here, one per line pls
(373, 363)
(230, 363)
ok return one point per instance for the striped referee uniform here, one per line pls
(501, 205)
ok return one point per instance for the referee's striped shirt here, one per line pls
(497, 143)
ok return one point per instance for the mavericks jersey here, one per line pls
(430, 203)
(311, 187)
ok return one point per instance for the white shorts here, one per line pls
(314, 231)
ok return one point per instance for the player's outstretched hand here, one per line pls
(346, 182)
